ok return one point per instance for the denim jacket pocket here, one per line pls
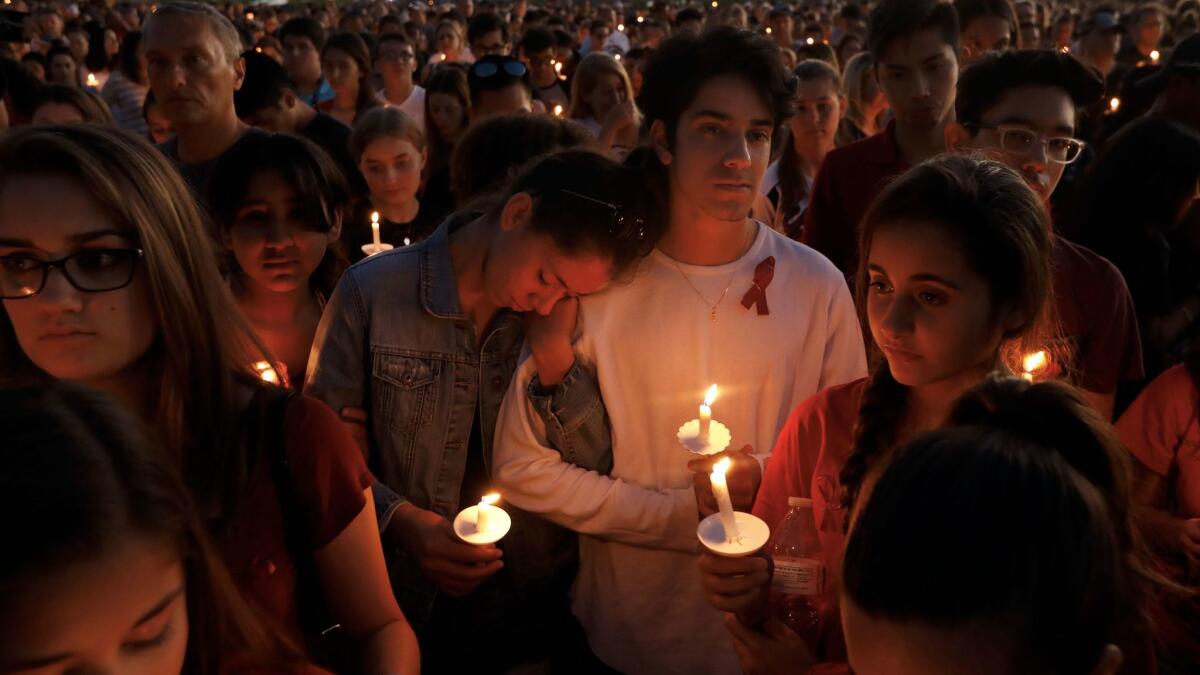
(406, 389)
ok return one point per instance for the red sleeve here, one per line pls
(1158, 420)
(825, 226)
(328, 469)
(789, 471)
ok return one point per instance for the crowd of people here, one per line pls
(286, 287)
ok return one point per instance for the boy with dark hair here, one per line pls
(1022, 108)
(487, 35)
(397, 66)
(499, 86)
(266, 101)
(537, 53)
(724, 299)
(302, 39)
(915, 46)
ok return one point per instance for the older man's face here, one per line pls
(191, 74)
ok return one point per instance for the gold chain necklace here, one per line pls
(712, 309)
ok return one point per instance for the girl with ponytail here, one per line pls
(1043, 572)
(953, 282)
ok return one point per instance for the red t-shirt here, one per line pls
(807, 461)
(329, 476)
(1162, 430)
(1096, 316)
(846, 184)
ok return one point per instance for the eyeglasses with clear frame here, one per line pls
(1021, 142)
(91, 270)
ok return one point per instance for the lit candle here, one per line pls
(91, 80)
(249, 16)
(265, 372)
(641, 19)
(258, 49)
(1033, 363)
(1066, 49)
(809, 41)
(617, 57)
(621, 27)
(714, 4)
(720, 490)
(1114, 104)
(1154, 56)
(407, 241)
(558, 110)
(375, 231)
(558, 67)
(706, 413)
(481, 513)
(768, 30)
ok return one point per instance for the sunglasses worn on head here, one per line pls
(486, 69)
(623, 227)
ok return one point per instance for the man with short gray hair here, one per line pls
(194, 64)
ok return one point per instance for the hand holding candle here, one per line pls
(484, 523)
(728, 532)
(376, 245)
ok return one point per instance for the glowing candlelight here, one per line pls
(258, 49)
(641, 19)
(375, 230)
(1066, 49)
(557, 67)
(407, 241)
(768, 30)
(809, 41)
(266, 372)
(1033, 363)
(720, 490)
(481, 513)
(1154, 56)
(91, 80)
(621, 27)
(714, 4)
(249, 16)
(1114, 104)
(558, 110)
(706, 412)
(617, 57)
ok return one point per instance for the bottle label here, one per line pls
(798, 576)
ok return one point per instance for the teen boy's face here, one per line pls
(918, 73)
(1046, 111)
(722, 148)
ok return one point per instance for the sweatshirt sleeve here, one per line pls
(534, 477)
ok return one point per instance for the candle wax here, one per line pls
(720, 490)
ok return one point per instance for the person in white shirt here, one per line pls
(723, 299)
(397, 65)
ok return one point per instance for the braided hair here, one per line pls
(1002, 233)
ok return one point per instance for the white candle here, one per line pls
(375, 230)
(481, 512)
(1154, 55)
(706, 412)
(721, 491)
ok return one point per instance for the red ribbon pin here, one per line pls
(757, 295)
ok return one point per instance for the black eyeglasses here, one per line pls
(1021, 142)
(623, 227)
(92, 270)
(487, 69)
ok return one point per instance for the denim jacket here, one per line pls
(394, 341)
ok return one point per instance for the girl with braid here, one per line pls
(953, 282)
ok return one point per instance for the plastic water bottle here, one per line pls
(799, 577)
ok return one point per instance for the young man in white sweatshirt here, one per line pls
(723, 299)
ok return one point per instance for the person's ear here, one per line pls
(1013, 321)
(289, 99)
(517, 212)
(239, 73)
(424, 157)
(335, 232)
(957, 137)
(1110, 661)
(843, 107)
(660, 143)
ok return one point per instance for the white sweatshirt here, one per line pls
(656, 351)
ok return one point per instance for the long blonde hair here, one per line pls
(201, 354)
(587, 74)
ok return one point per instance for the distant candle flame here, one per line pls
(810, 41)
(617, 57)
(621, 27)
(91, 80)
(249, 16)
(491, 499)
(557, 66)
(1154, 55)
(1114, 104)
(1066, 49)
(558, 111)
(714, 4)
(374, 217)
(641, 19)
(1035, 362)
(407, 241)
(710, 396)
(768, 31)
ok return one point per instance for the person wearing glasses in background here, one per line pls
(487, 34)
(499, 86)
(397, 65)
(1021, 108)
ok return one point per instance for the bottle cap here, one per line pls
(804, 502)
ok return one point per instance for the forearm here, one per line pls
(392, 649)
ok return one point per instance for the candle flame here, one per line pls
(768, 31)
(249, 16)
(258, 49)
(641, 19)
(810, 41)
(1035, 362)
(617, 57)
(621, 27)
(558, 66)
(721, 467)
(711, 395)
(558, 110)
(266, 371)
(714, 4)
(91, 80)
(1066, 49)
(374, 217)
(1154, 55)
(491, 499)
(1114, 104)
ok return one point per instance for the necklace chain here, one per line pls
(712, 308)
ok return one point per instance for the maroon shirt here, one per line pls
(846, 184)
(329, 475)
